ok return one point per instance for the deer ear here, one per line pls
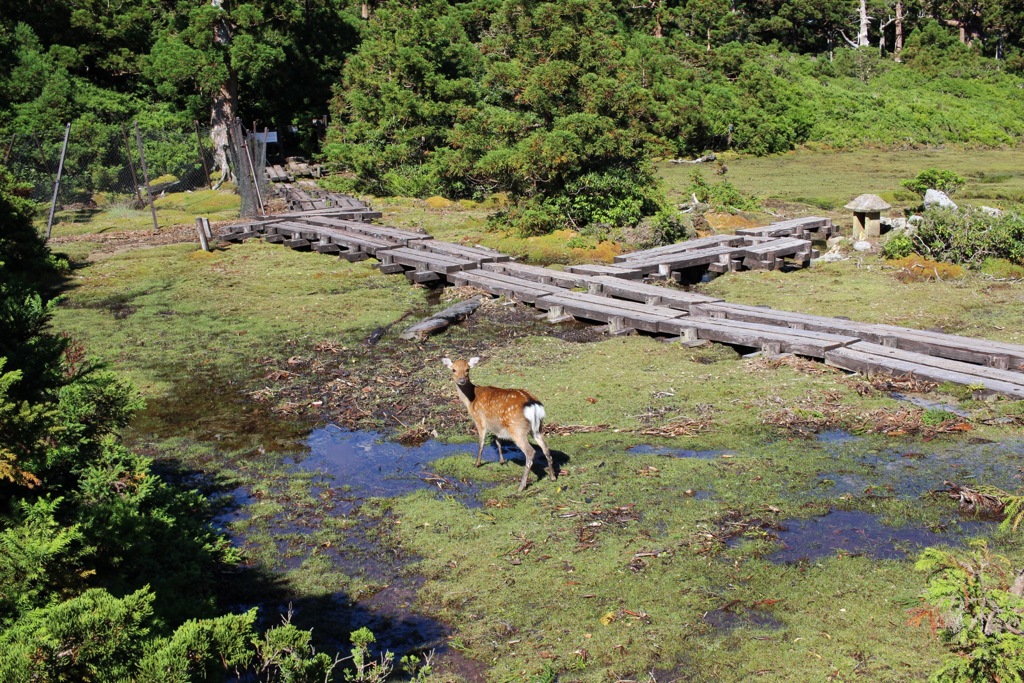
(473, 361)
(447, 362)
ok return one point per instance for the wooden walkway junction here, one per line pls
(621, 295)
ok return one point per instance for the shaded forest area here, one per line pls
(561, 105)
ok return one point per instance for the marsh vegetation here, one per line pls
(716, 518)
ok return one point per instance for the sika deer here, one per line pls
(511, 414)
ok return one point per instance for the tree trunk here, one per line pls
(862, 34)
(898, 47)
(223, 111)
(224, 108)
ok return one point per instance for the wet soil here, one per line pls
(852, 532)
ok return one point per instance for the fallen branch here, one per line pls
(441, 320)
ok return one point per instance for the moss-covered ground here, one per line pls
(682, 471)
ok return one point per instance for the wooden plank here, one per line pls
(238, 236)
(613, 311)
(478, 254)
(649, 294)
(504, 285)
(1008, 376)
(598, 270)
(421, 260)
(355, 241)
(770, 254)
(361, 215)
(771, 316)
(403, 237)
(794, 227)
(777, 247)
(664, 265)
(539, 274)
(250, 226)
(869, 361)
(769, 338)
(688, 245)
(966, 349)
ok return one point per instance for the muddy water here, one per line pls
(348, 467)
(915, 469)
(372, 466)
(853, 532)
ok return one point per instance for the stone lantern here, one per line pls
(867, 214)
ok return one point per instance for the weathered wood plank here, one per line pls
(869, 359)
(1009, 376)
(503, 284)
(599, 270)
(479, 254)
(664, 265)
(769, 338)
(334, 212)
(403, 237)
(771, 316)
(539, 274)
(688, 245)
(968, 349)
(238, 236)
(613, 311)
(649, 294)
(422, 260)
(794, 227)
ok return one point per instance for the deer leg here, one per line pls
(497, 442)
(539, 438)
(480, 449)
(527, 449)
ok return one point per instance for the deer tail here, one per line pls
(534, 413)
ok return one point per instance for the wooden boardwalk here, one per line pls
(622, 297)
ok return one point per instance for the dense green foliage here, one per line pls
(100, 558)
(971, 598)
(935, 179)
(966, 236)
(561, 105)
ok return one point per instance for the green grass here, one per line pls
(176, 306)
(175, 209)
(609, 572)
(828, 180)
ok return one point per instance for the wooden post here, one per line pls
(252, 174)
(203, 228)
(131, 165)
(145, 176)
(56, 183)
(202, 159)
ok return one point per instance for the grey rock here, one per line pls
(940, 199)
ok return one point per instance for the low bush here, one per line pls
(969, 236)
(935, 179)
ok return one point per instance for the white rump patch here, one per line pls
(534, 413)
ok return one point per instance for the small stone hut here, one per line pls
(867, 215)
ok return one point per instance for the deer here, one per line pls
(510, 414)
